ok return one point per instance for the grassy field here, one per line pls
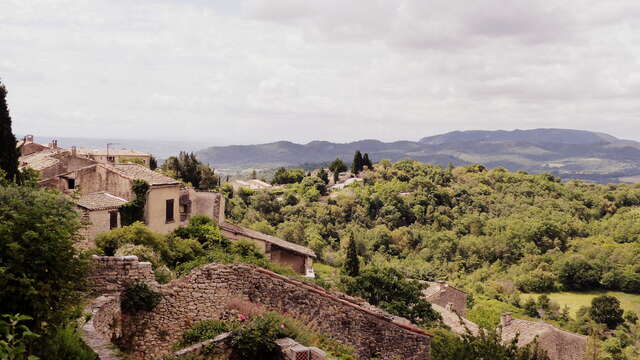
(577, 299)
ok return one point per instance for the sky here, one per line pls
(256, 71)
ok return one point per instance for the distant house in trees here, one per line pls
(116, 156)
(559, 344)
(253, 184)
(446, 296)
(299, 257)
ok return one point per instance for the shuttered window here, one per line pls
(169, 216)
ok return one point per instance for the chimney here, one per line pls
(74, 151)
(54, 144)
(505, 319)
(28, 139)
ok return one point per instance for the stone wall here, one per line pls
(110, 274)
(206, 291)
(102, 326)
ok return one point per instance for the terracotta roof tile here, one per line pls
(267, 238)
(100, 201)
(39, 160)
(135, 171)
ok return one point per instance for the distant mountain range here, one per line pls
(566, 153)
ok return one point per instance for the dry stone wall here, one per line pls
(111, 274)
(206, 291)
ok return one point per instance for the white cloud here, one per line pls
(264, 70)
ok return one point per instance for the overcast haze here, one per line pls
(254, 71)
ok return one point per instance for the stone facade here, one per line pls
(111, 274)
(206, 291)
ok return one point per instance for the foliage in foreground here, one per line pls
(488, 345)
(41, 273)
(253, 335)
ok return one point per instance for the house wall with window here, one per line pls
(162, 213)
(96, 222)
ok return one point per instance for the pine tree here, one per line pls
(8, 150)
(322, 174)
(366, 162)
(351, 265)
(356, 167)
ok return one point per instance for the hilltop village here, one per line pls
(116, 189)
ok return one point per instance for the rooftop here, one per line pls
(100, 201)
(111, 152)
(39, 160)
(452, 320)
(135, 171)
(267, 238)
(559, 344)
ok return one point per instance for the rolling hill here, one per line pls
(566, 153)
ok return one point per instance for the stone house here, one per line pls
(446, 296)
(161, 210)
(559, 344)
(116, 156)
(27, 146)
(299, 257)
(52, 161)
(100, 211)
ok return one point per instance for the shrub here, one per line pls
(14, 336)
(202, 229)
(606, 309)
(139, 297)
(204, 330)
(41, 273)
(136, 234)
(389, 289)
(144, 253)
(133, 211)
(256, 340)
(65, 343)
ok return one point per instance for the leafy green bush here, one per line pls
(65, 343)
(139, 297)
(41, 272)
(135, 234)
(202, 229)
(14, 337)
(389, 289)
(488, 345)
(256, 340)
(204, 330)
(133, 210)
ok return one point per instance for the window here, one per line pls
(111, 158)
(113, 219)
(71, 183)
(169, 217)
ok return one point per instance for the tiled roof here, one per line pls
(100, 201)
(267, 238)
(114, 152)
(452, 320)
(39, 160)
(559, 344)
(436, 287)
(135, 171)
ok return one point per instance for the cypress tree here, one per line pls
(366, 162)
(324, 176)
(8, 151)
(351, 265)
(356, 167)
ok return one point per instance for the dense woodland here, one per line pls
(495, 233)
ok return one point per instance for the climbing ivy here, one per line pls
(133, 210)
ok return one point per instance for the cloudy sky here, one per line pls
(232, 71)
